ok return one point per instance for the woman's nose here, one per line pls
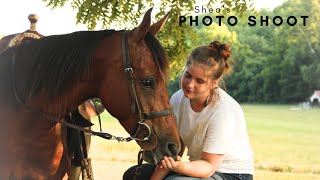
(190, 83)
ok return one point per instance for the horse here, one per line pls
(78, 143)
(45, 79)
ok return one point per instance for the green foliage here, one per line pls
(174, 85)
(277, 64)
(297, 47)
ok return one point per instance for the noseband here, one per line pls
(134, 99)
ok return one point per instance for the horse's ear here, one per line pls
(140, 32)
(156, 27)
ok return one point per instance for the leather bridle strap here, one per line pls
(153, 115)
(128, 69)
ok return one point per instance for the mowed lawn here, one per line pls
(285, 140)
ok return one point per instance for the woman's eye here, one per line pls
(200, 81)
(148, 83)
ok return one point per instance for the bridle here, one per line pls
(135, 102)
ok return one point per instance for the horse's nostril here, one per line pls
(172, 149)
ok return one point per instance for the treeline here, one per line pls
(274, 64)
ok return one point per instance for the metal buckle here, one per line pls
(129, 70)
(129, 74)
(138, 130)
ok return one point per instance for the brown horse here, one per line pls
(52, 76)
(78, 143)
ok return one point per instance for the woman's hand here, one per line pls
(169, 163)
(201, 168)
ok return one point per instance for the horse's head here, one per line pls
(138, 96)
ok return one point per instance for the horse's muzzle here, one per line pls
(155, 156)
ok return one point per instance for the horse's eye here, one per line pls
(148, 83)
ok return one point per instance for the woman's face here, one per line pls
(196, 83)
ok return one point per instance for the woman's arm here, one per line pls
(200, 168)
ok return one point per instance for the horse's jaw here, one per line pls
(152, 157)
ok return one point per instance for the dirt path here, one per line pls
(110, 159)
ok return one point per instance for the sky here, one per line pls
(14, 13)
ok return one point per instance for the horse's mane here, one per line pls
(54, 61)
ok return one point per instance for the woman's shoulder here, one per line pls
(226, 103)
(225, 98)
(177, 96)
(178, 101)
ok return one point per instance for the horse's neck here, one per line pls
(5, 74)
(63, 103)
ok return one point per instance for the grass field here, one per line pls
(285, 140)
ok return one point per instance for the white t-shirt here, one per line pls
(219, 128)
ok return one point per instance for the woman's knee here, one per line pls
(180, 177)
(129, 173)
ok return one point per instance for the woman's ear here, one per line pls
(214, 83)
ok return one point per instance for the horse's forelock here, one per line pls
(158, 52)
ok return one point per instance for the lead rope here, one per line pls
(139, 167)
(100, 122)
(86, 166)
(87, 161)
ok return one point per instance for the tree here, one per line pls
(127, 13)
(300, 52)
(278, 63)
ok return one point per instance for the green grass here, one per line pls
(286, 142)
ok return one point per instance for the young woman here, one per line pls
(211, 124)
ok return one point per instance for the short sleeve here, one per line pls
(175, 104)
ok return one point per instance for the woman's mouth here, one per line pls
(188, 91)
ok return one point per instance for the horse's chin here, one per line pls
(151, 157)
